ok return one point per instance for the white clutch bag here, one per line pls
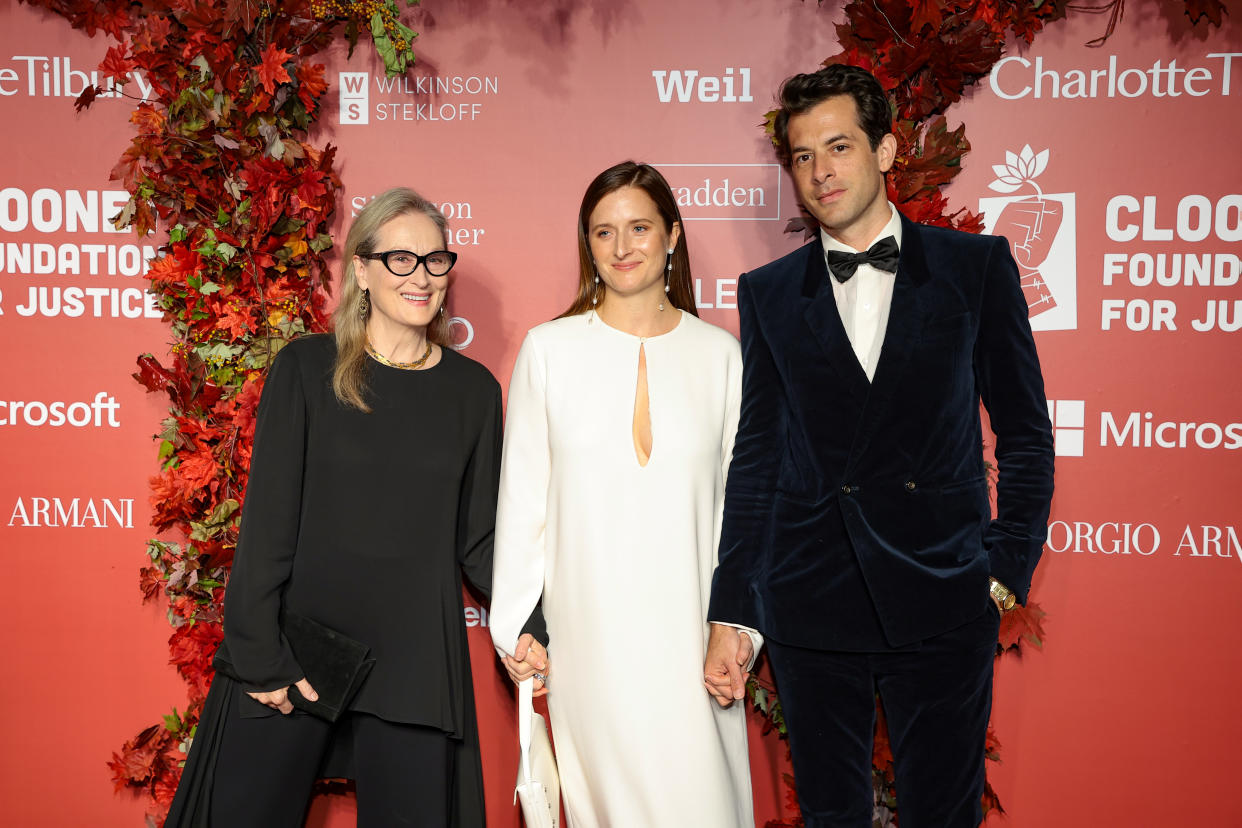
(538, 784)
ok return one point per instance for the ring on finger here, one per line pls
(542, 677)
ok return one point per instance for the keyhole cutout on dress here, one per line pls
(642, 412)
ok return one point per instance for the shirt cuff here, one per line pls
(756, 640)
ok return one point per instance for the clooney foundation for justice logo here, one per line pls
(1040, 229)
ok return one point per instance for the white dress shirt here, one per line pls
(864, 301)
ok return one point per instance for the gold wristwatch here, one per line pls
(1005, 599)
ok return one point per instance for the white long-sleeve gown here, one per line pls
(623, 556)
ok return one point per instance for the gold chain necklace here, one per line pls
(404, 366)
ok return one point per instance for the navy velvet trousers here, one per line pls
(937, 699)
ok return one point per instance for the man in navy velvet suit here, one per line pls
(858, 536)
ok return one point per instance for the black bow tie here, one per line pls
(883, 255)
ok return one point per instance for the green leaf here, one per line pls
(224, 511)
(209, 287)
(226, 251)
(204, 69)
(177, 234)
(166, 449)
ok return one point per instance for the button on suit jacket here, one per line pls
(857, 514)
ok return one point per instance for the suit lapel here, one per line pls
(824, 321)
(906, 318)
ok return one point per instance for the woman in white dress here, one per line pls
(619, 432)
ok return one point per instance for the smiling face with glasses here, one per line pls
(404, 262)
(406, 280)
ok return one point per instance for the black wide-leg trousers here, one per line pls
(267, 764)
(937, 700)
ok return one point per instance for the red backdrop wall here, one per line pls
(1126, 718)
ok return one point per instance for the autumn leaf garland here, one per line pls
(221, 163)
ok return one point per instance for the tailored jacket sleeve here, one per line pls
(1011, 386)
(259, 653)
(732, 413)
(752, 476)
(476, 519)
(521, 513)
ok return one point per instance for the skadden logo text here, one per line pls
(99, 413)
(1120, 540)
(725, 192)
(1154, 280)
(1015, 78)
(27, 218)
(73, 512)
(425, 98)
(53, 76)
(1041, 231)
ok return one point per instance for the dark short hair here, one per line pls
(802, 92)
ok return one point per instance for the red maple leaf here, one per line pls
(1022, 622)
(236, 320)
(243, 12)
(311, 85)
(165, 787)
(86, 98)
(272, 68)
(1211, 9)
(136, 761)
(191, 648)
(925, 13)
(116, 64)
(151, 582)
(176, 267)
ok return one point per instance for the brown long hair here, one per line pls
(648, 179)
(349, 377)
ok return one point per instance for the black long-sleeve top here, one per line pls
(365, 522)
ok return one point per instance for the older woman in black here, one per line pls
(372, 490)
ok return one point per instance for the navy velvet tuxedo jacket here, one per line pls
(856, 514)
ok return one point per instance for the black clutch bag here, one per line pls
(334, 664)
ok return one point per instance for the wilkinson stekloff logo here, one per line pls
(355, 97)
(426, 98)
(1040, 229)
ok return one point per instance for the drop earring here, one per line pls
(668, 272)
(364, 304)
(595, 294)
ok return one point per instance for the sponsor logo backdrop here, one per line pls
(1113, 172)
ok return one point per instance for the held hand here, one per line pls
(529, 659)
(745, 652)
(279, 699)
(722, 668)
